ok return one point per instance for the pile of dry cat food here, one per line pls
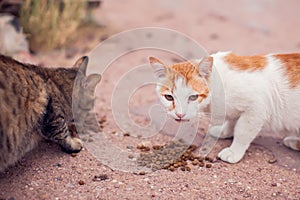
(171, 156)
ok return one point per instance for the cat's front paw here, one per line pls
(72, 145)
(228, 155)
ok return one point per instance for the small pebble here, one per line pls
(57, 165)
(101, 177)
(231, 181)
(142, 173)
(73, 154)
(126, 134)
(271, 161)
(81, 182)
(156, 147)
(102, 120)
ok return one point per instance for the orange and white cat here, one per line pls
(261, 93)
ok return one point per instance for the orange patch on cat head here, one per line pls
(188, 71)
(291, 64)
(246, 63)
(191, 76)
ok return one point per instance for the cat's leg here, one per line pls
(68, 139)
(292, 142)
(246, 129)
(58, 131)
(223, 131)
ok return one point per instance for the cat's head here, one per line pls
(182, 87)
(83, 97)
(84, 85)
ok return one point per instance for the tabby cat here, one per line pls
(261, 93)
(36, 103)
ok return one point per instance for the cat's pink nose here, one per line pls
(179, 115)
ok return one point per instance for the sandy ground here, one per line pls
(245, 27)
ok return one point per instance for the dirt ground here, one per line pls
(268, 170)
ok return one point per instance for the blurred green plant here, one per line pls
(51, 23)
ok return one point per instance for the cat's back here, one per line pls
(281, 67)
(290, 64)
(22, 93)
(23, 98)
(271, 81)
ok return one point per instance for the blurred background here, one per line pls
(33, 30)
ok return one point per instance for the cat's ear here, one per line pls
(159, 67)
(205, 66)
(91, 81)
(81, 64)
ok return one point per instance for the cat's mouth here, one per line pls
(182, 120)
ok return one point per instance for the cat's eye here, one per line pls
(193, 97)
(169, 97)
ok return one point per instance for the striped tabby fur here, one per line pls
(36, 103)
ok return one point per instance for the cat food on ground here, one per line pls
(208, 165)
(195, 162)
(171, 156)
(143, 148)
(188, 168)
